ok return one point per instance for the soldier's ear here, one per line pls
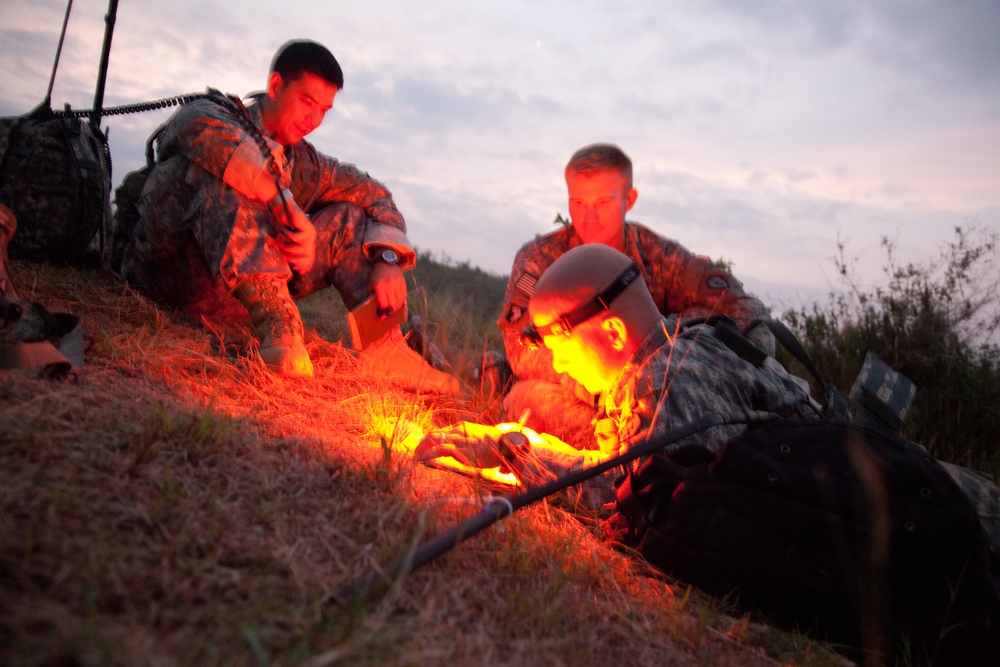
(630, 198)
(616, 332)
(274, 82)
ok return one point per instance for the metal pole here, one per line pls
(506, 505)
(55, 65)
(102, 73)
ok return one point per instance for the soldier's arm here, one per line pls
(524, 362)
(700, 378)
(322, 180)
(697, 287)
(210, 136)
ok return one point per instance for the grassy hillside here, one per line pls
(177, 505)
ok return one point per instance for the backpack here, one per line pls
(839, 528)
(55, 174)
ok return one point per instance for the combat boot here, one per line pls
(391, 357)
(277, 324)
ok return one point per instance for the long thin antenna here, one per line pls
(55, 65)
(102, 73)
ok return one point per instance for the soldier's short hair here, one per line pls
(304, 56)
(601, 157)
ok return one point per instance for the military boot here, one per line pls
(277, 325)
(392, 358)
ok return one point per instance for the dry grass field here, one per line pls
(175, 504)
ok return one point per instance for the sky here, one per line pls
(764, 133)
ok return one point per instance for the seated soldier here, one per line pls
(239, 207)
(601, 193)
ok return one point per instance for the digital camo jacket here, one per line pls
(197, 223)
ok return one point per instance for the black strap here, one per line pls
(729, 333)
(836, 401)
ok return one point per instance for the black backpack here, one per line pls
(839, 528)
(849, 533)
(55, 174)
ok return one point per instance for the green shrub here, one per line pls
(935, 322)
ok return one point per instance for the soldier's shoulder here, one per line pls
(544, 245)
(649, 237)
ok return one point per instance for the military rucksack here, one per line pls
(836, 526)
(55, 174)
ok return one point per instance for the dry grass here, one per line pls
(177, 505)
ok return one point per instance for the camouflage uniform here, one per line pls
(678, 376)
(197, 235)
(55, 178)
(679, 281)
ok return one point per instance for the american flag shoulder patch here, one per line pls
(526, 283)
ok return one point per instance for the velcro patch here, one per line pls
(717, 282)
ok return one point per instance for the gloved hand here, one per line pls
(472, 444)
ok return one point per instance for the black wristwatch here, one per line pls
(387, 256)
(512, 447)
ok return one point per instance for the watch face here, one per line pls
(389, 257)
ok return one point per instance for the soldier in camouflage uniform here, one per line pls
(657, 376)
(240, 205)
(599, 181)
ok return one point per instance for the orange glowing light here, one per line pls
(413, 434)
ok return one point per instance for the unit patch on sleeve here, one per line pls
(717, 282)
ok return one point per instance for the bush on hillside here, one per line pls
(935, 322)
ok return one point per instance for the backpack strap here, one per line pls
(837, 405)
(727, 331)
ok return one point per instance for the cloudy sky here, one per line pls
(761, 131)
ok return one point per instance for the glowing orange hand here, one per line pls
(469, 443)
(388, 285)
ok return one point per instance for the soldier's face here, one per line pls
(299, 106)
(598, 202)
(584, 354)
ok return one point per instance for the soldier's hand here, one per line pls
(473, 444)
(297, 239)
(389, 286)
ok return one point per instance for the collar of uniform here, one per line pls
(281, 158)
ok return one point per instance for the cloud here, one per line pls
(759, 130)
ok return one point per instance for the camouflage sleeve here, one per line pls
(529, 264)
(329, 180)
(681, 382)
(699, 376)
(691, 285)
(207, 134)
